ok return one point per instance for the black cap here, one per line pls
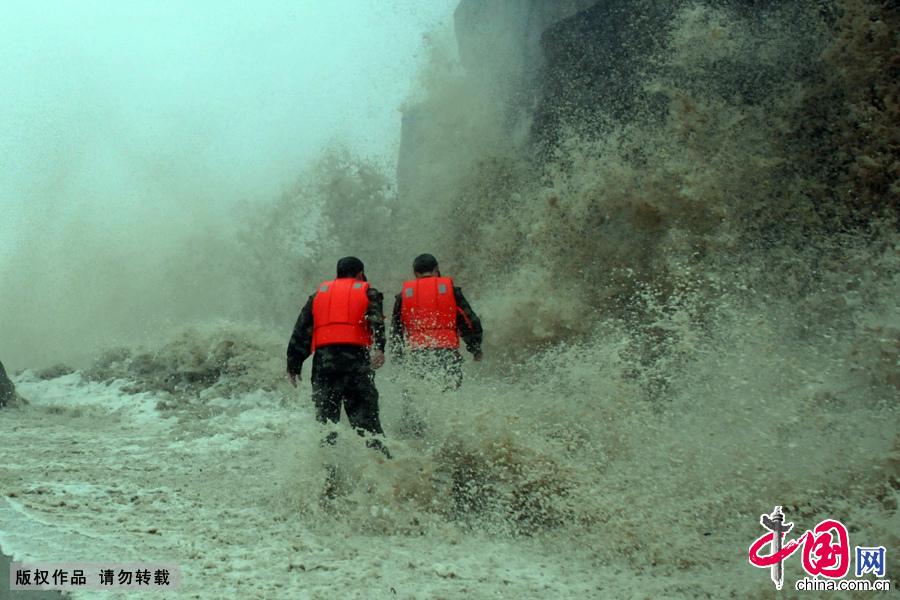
(349, 266)
(425, 263)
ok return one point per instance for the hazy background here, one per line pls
(129, 128)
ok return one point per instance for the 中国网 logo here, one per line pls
(825, 553)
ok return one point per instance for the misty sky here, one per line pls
(112, 109)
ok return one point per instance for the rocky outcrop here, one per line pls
(504, 37)
(499, 46)
(591, 66)
(537, 68)
(599, 65)
(8, 394)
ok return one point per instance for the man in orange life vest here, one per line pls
(339, 325)
(430, 316)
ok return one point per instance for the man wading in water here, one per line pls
(341, 322)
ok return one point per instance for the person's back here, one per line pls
(341, 335)
(430, 318)
(428, 313)
(339, 325)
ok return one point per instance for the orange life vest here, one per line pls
(339, 314)
(428, 312)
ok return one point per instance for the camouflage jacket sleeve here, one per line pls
(375, 317)
(300, 346)
(397, 328)
(467, 323)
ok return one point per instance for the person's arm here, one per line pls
(300, 346)
(468, 324)
(375, 318)
(396, 335)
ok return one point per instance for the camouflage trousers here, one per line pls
(431, 373)
(441, 367)
(357, 394)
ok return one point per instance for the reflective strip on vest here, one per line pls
(428, 313)
(339, 314)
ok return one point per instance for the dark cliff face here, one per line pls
(579, 64)
(564, 61)
(505, 37)
(621, 141)
(553, 65)
(7, 390)
(591, 67)
(499, 46)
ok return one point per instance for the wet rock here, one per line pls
(8, 394)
